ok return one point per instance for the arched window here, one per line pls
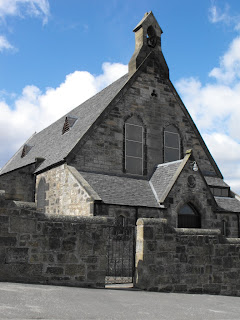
(41, 194)
(134, 143)
(171, 144)
(189, 217)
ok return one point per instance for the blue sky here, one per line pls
(54, 54)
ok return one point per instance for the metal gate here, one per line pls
(120, 254)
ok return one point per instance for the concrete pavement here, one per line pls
(25, 301)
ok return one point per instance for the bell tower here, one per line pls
(147, 39)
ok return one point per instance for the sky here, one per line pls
(54, 54)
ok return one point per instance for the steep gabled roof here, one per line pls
(147, 16)
(216, 182)
(228, 204)
(121, 190)
(165, 176)
(162, 176)
(54, 146)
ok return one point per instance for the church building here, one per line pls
(131, 151)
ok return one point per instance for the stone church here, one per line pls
(131, 151)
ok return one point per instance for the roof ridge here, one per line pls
(169, 163)
(85, 101)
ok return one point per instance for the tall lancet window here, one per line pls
(171, 144)
(134, 141)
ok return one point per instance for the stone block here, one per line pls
(53, 231)
(75, 269)
(212, 288)
(54, 243)
(227, 262)
(8, 241)
(55, 270)
(69, 244)
(148, 233)
(62, 257)
(195, 290)
(17, 255)
(180, 249)
(151, 245)
(4, 219)
(93, 276)
(80, 278)
(22, 225)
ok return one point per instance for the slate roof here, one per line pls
(162, 176)
(228, 204)
(216, 182)
(54, 146)
(121, 190)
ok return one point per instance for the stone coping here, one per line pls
(190, 231)
(233, 240)
(80, 219)
(151, 221)
(25, 205)
(183, 231)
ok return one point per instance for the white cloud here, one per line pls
(229, 69)
(34, 110)
(37, 8)
(22, 8)
(216, 15)
(227, 153)
(4, 44)
(215, 107)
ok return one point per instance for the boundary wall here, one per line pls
(186, 260)
(71, 250)
(62, 250)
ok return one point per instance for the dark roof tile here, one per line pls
(228, 204)
(121, 190)
(215, 182)
(163, 175)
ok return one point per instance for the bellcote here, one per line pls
(147, 39)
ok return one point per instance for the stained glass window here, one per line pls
(171, 144)
(133, 148)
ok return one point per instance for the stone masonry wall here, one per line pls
(63, 194)
(36, 248)
(156, 112)
(130, 213)
(186, 260)
(231, 224)
(19, 184)
(198, 194)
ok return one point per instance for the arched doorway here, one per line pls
(189, 217)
